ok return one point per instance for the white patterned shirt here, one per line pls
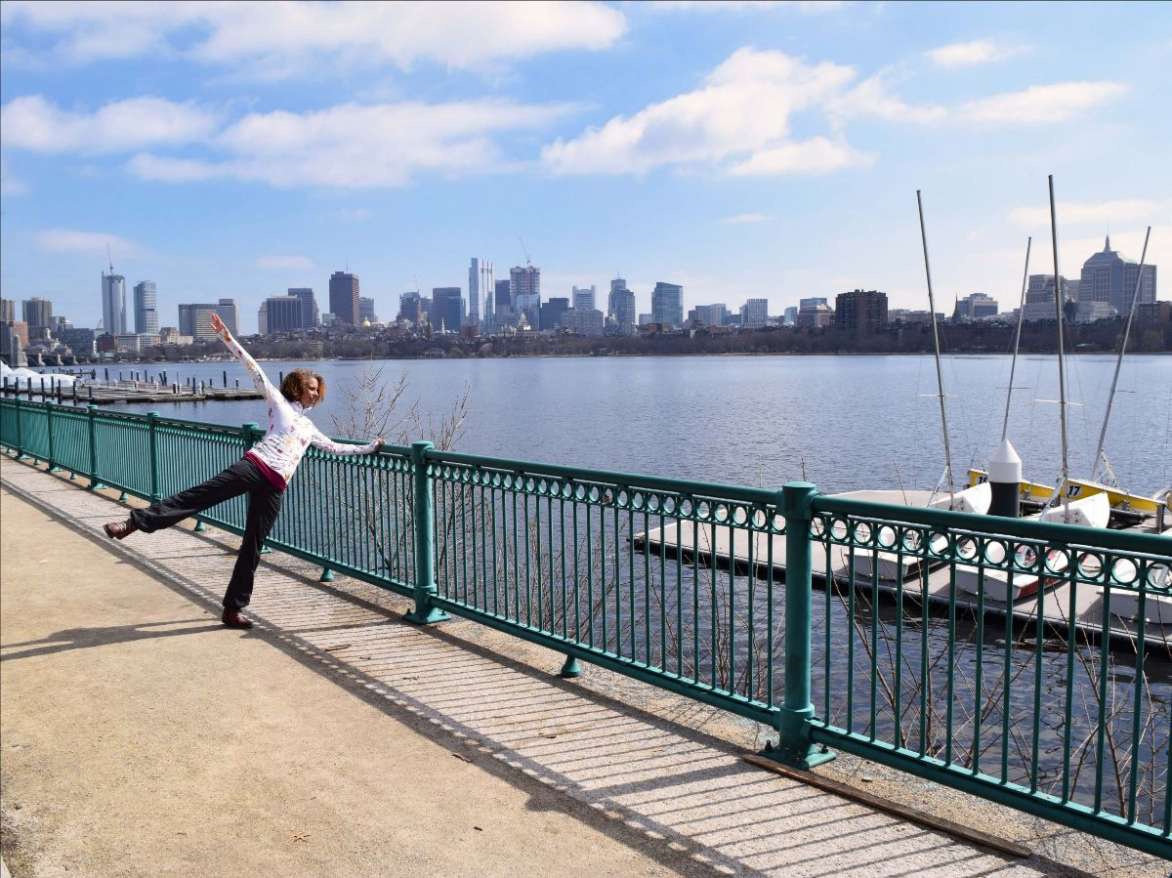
(290, 431)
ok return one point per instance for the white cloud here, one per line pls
(871, 98)
(741, 109)
(35, 124)
(815, 156)
(740, 219)
(1100, 213)
(972, 53)
(90, 243)
(809, 6)
(1041, 104)
(281, 262)
(355, 146)
(287, 39)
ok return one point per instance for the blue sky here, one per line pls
(741, 149)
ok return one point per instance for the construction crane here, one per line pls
(525, 250)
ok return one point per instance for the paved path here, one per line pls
(141, 738)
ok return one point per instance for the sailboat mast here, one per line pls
(1017, 338)
(1122, 350)
(936, 350)
(1058, 303)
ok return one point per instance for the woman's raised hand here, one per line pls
(218, 323)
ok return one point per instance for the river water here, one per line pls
(842, 422)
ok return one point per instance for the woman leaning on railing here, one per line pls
(263, 473)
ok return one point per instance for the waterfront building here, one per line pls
(411, 308)
(344, 297)
(582, 321)
(113, 303)
(525, 292)
(38, 314)
(862, 312)
(755, 313)
(553, 311)
(11, 349)
(667, 304)
(230, 314)
(813, 313)
(503, 293)
(790, 316)
(281, 314)
(146, 313)
(582, 298)
(310, 317)
(474, 291)
(975, 306)
(7, 310)
(1108, 277)
(1154, 312)
(912, 315)
(196, 320)
(708, 315)
(1039, 299)
(1090, 311)
(620, 307)
(366, 313)
(646, 319)
(447, 309)
(135, 342)
(80, 340)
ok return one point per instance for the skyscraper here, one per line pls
(755, 313)
(620, 306)
(525, 291)
(146, 313)
(503, 294)
(667, 304)
(1039, 298)
(310, 317)
(863, 312)
(113, 303)
(282, 313)
(229, 313)
(366, 311)
(447, 309)
(411, 307)
(582, 298)
(474, 291)
(1108, 277)
(195, 320)
(344, 297)
(38, 314)
(7, 310)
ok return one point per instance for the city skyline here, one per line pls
(739, 151)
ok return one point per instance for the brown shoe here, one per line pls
(235, 619)
(120, 530)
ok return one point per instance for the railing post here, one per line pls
(794, 746)
(425, 611)
(19, 429)
(49, 432)
(91, 410)
(153, 427)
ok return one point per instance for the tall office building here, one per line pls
(366, 311)
(230, 314)
(667, 304)
(411, 308)
(282, 314)
(113, 303)
(447, 309)
(582, 298)
(863, 312)
(344, 297)
(38, 314)
(7, 310)
(975, 306)
(755, 313)
(709, 315)
(790, 316)
(620, 306)
(146, 307)
(1039, 298)
(813, 313)
(525, 292)
(309, 313)
(474, 291)
(553, 311)
(195, 320)
(1108, 277)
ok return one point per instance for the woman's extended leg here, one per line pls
(232, 482)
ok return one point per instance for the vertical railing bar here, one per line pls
(950, 705)
(850, 629)
(874, 724)
(1039, 632)
(978, 673)
(899, 604)
(663, 590)
(1137, 707)
(1101, 738)
(1068, 713)
(1005, 680)
(679, 525)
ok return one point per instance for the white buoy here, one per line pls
(1005, 479)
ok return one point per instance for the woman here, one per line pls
(264, 472)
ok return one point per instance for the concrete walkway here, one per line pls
(142, 738)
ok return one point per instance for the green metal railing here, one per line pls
(707, 590)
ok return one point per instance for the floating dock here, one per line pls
(136, 391)
(732, 547)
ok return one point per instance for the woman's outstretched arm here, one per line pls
(259, 378)
(325, 443)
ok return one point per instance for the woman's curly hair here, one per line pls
(294, 384)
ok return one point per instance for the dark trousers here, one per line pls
(264, 502)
